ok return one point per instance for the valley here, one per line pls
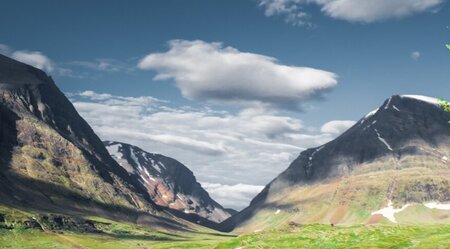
(119, 235)
(225, 156)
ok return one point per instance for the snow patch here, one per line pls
(389, 211)
(148, 175)
(314, 153)
(145, 180)
(161, 165)
(444, 159)
(368, 115)
(382, 140)
(395, 107)
(429, 100)
(387, 104)
(114, 150)
(134, 158)
(436, 205)
(146, 172)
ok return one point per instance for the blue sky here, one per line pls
(229, 121)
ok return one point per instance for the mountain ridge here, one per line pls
(403, 127)
(52, 160)
(169, 183)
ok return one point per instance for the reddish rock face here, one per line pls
(169, 183)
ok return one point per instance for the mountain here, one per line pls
(168, 182)
(52, 161)
(394, 162)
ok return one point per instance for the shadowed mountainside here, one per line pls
(51, 159)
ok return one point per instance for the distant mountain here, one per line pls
(52, 161)
(168, 182)
(397, 153)
(231, 211)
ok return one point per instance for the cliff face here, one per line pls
(169, 183)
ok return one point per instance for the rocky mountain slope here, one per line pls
(52, 161)
(396, 158)
(168, 182)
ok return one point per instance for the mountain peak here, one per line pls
(15, 74)
(427, 99)
(169, 183)
(405, 135)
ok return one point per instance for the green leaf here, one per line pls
(448, 46)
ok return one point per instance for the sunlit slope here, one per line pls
(353, 199)
(397, 154)
(344, 237)
(28, 230)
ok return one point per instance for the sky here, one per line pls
(234, 90)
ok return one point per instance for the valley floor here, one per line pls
(291, 236)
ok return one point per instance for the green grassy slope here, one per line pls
(291, 236)
(351, 199)
(360, 236)
(30, 230)
(16, 232)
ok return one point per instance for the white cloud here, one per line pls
(416, 55)
(251, 146)
(210, 71)
(234, 196)
(4, 49)
(71, 69)
(350, 10)
(337, 127)
(292, 11)
(103, 65)
(38, 60)
(35, 59)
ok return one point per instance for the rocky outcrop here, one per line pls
(169, 183)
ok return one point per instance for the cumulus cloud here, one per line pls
(348, 10)
(210, 71)
(234, 196)
(337, 127)
(35, 59)
(415, 55)
(250, 146)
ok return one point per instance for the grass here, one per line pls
(120, 235)
(111, 235)
(360, 236)
(352, 199)
(290, 236)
